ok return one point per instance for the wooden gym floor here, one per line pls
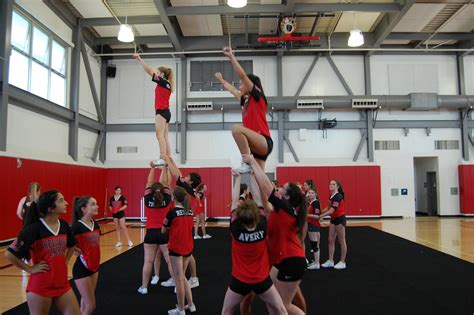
(453, 236)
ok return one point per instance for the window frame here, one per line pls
(51, 37)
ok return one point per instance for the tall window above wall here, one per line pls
(203, 79)
(38, 59)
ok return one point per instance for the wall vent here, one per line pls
(365, 103)
(446, 144)
(199, 106)
(302, 104)
(127, 149)
(387, 145)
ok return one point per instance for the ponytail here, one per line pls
(299, 203)
(182, 197)
(79, 203)
(158, 197)
(31, 215)
(339, 188)
(168, 75)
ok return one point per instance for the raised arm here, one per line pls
(255, 191)
(165, 177)
(151, 176)
(228, 86)
(147, 68)
(236, 191)
(238, 68)
(263, 182)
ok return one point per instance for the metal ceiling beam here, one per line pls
(339, 74)
(146, 19)
(138, 40)
(388, 23)
(171, 29)
(421, 36)
(308, 73)
(281, 8)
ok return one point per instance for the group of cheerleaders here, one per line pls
(268, 231)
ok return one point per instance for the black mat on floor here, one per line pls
(385, 275)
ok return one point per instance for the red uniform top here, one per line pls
(282, 231)
(40, 243)
(88, 240)
(116, 204)
(162, 92)
(336, 201)
(155, 214)
(254, 112)
(250, 262)
(314, 208)
(180, 222)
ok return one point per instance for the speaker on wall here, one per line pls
(111, 71)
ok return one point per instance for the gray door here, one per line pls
(432, 193)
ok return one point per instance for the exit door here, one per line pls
(432, 193)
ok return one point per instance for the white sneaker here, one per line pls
(328, 264)
(176, 311)
(119, 244)
(313, 266)
(207, 236)
(193, 282)
(159, 162)
(244, 168)
(197, 237)
(130, 243)
(143, 290)
(155, 280)
(340, 265)
(191, 308)
(168, 283)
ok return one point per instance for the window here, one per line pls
(202, 74)
(387, 145)
(38, 60)
(447, 145)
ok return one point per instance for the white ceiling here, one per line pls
(199, 25)
(418, 16)
(363, 21)
(463, 22)
(91, 8)
(151, 29)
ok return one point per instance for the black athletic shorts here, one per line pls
(291, 269)
(119, 215)
(244, 288)
(80, 271)
(165, 113)
(269, 150)
(339, 220)
(178, 255)
(313, 228)
(154, 236)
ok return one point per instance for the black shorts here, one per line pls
(119, 215)
(269, 150)
(244, 288)
(165, 113)
(339, 220)
(154, 236)
(80, 271)
(291, 269)
(175, 254)
(313, 228)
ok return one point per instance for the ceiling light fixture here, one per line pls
(237, 3)
(125, 33)
(356, 39)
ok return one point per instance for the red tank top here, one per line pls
(254, 112)
(162, 92)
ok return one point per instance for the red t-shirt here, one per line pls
(88, 240)
(155, 214)
(180, 222)
(336, 201)
(116, 204)
(282, 231)
(250, 262)
(254, 112)
(314, 208)
(162, 92)
(40, 243)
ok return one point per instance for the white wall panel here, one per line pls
(469, 74)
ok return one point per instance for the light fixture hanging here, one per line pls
(125, 33)
(236, 3)
(356, 39)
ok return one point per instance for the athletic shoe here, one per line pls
(159, 162)
(130, 243)
(119, 244)
(313, 266)
(143, 290)
(191, 308)
(155, 280)
(193, 282)
(207, 236)
(243, 169)
(197, 237)
(328, 264)
(340, 265)
(168, 283)
(176, 311)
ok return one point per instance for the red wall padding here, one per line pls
(361, 185)
(133, 181)
(466, 188)
(71, 180)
